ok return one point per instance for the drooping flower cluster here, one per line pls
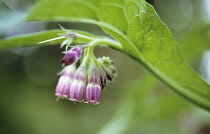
(87, 81)
(84, 82)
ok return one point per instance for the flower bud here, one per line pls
(109, 75)
(79, 84)
(103, 79)
(72, 55)
(93, 90)
(106, 60)
(110, 72)
(65, 81)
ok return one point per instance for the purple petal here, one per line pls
(77, 91)
(93, 94)
(63, 87)
(65, 82)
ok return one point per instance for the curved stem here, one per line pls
(107, 41)
(89, 56)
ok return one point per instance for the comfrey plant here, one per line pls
(88, 79)
(138, 32)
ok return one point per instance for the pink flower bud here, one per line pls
(72, 55)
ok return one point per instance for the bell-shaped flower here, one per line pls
(65, 82)
(93, 90)
(77, 91)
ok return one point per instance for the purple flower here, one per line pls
(65, 81)
(93, 94)
(77, 91)
(93, 90)
(72, 55)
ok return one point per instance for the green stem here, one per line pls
(107, 41)
(89, 55)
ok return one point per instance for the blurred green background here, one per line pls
(135, 103)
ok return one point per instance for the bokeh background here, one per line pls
(135, 103)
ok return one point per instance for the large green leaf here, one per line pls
(135, 24)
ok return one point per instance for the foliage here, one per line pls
(138, 103)
(136, 25)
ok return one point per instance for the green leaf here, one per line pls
(28, 40)
(136, 25)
